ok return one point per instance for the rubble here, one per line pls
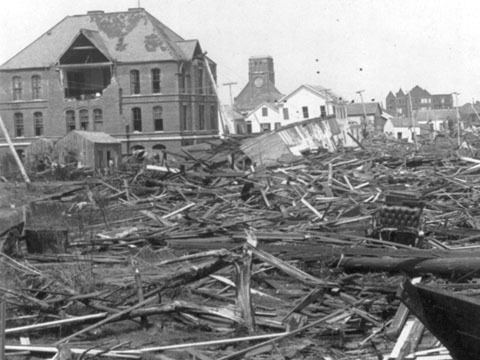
(208, 255)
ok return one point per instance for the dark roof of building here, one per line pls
(400, 92)
(356, 109)
(251, 96)
(129, 36)
(404, 122)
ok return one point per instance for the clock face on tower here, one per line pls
(258, 82)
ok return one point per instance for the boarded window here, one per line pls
(137, 119)
(17, 87)
(265, 127)
(323, 112)
(38, 123)
(36, 87)
(156, 80)
(286, 115)
(248, 127)
(157, 118)
(83, 115)
(134, 82)
(277, 125)
(70, 120)
(18, 122)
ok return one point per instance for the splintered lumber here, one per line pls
(14, 152)
(76, 351)
(288, 269)
(243, 270)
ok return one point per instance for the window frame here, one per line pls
(305, 113)
(81, 118)
(17, 88)
(19, 124)
(36, 87)
(70, 121)
(156, 74)
(157, 112)
(137, 119)
(134, 82)
(38, 129)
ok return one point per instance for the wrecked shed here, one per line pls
(91, 149)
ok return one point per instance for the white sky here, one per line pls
(396, 43)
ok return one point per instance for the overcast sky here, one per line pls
(375, 45)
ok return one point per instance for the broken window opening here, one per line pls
(156, 81)
(70, 120)
(83, 115)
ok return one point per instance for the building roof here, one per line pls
(318, 90)
(264, 104)
(97, 137)
(251, 96)
(403, 122)
(128, 36)
(356, 109)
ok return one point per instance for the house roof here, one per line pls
(264, 104)
(97, 137)
(129, 36)
(356, 109)
(318, 90)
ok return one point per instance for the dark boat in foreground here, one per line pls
(453, 319)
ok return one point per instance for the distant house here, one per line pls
(375, 116)
(307, 102)
(234, 121)
(436, 119)
(470, 115)
(265, 117)
(401, 128)
(96, 150)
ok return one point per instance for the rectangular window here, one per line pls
(248, 127)
(83, 115)
(182, 80)
(305, 112)
(264, 111)
(157, 118)
(213, 117)
(201, 117)
(36, 87)
(265, 126)
(137, 119)
(17, 87)
(399, 135)
(183, 124)
(277, 125)
(18, 120)
(323, 112)
(156, 81)
(200, 79)
(286, 116)
(134, 82)
(38, 124)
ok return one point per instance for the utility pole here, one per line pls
(414, 137)
(458, 118)
(230, 84)
(360, 92)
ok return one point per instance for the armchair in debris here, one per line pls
(400, 219)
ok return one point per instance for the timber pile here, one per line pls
(208, 256)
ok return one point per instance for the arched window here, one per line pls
(157, 118)
(83, 115)
(36, 87)
(38, 123)
(17, 87)
(158, 147)
(18, 123)
(137, 119)
(156, 80)
(138, 147)
(70, 120)
(134, 82)
(200, 79)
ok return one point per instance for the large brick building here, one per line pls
(124, 73)
(403, 104)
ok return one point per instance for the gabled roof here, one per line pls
(400, 92)
(129, 36)
(251, 96)
(356, 109)
(97, 137)
(264, 104)
(190, 48)
(318, 90)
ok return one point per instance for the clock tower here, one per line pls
(261, 85)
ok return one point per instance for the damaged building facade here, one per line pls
(123, 73)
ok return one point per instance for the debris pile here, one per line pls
(209, 256)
